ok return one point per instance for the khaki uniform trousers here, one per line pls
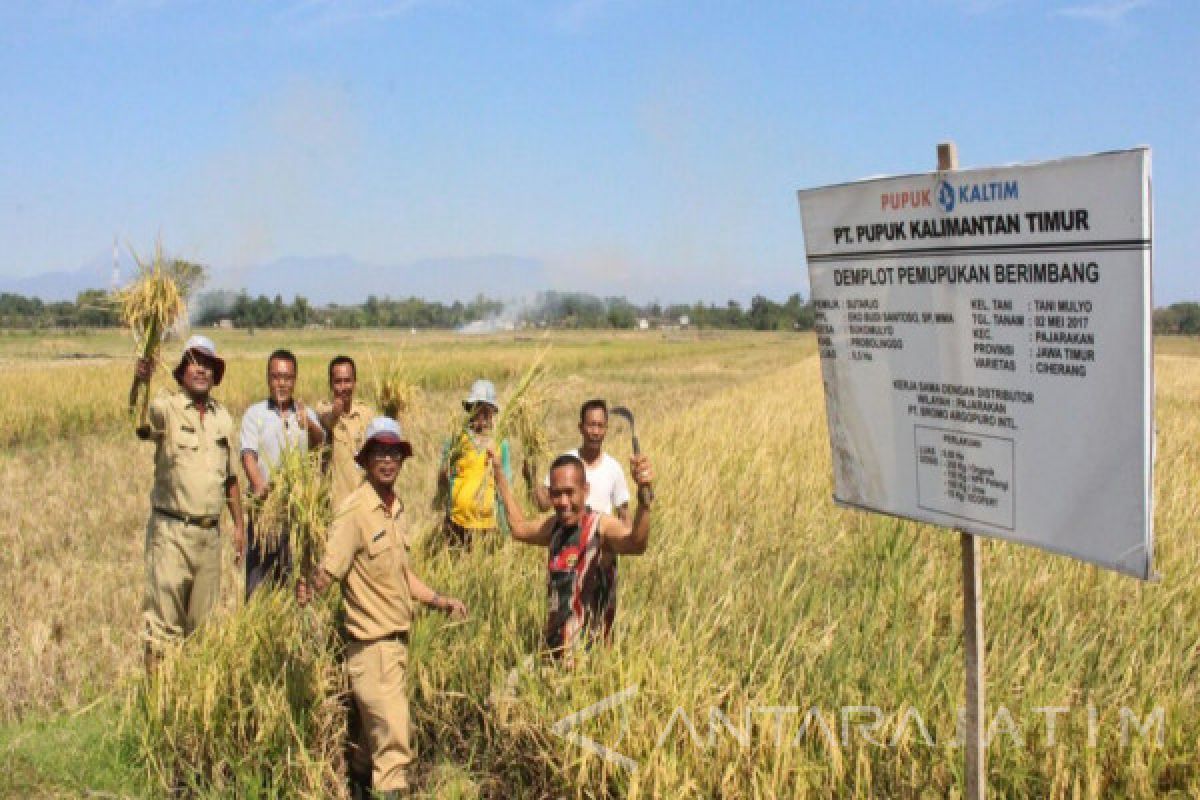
(378, 680)
(183, 577)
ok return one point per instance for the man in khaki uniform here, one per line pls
(368, 550)
(345, 420)
(194, 475)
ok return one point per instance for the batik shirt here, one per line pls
(581, 584)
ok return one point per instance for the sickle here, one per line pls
(645, 493)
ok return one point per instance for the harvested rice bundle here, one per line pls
(153, 305)
(523, 415)
(299, 506)
(394, 391)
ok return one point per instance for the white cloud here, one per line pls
(575, 15)
(315, 15)
(1105, 12)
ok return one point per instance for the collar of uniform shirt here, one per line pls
(209, 403)
(380, 504)
(273, 406)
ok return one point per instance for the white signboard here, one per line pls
(985, 347)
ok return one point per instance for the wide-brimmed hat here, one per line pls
(200, 348)
(383, 430)
(482, 391)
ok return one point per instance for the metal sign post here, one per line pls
(973, 650)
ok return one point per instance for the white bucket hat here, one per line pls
(201, 347)
(482, 391)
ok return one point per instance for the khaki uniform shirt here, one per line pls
(346, 437)
(368, 550)
(195, 455)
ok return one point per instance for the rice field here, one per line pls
(767, 645)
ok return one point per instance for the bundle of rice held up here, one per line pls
(523, 415)
(394, 392)
(298, 506)
(151, 306)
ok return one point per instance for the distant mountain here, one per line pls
(66, 285)
(323, 279)
(347, 281)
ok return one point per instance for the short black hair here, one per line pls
(283, 355)
(592, 405)
(338, 360)
(570, 460)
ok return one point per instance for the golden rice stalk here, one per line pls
(253, 697)
(298, 505)
(394, 392)
(151, 306)
(523, 415)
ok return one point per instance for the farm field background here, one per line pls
(758, 598)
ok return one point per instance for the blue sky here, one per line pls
(644, 148)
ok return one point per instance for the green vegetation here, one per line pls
(1178, 318)
(95, 308)
(78, 754)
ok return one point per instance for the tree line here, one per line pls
(94, 308)
(548, 309)
(1178, 318)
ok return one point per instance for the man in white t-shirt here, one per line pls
(608, 490)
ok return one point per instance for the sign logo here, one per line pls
(949, 196)
(945, 196)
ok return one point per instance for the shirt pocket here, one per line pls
(343, 435)
(381, 554)
(185, 444)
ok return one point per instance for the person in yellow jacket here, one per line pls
(465, 476)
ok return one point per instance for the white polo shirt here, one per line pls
(266, 432)
(606, 483)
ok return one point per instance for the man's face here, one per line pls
(383, 463)
(482, 417)
(281, 380)
(594, 427)
(197, 375)
(342, 381)
(568, 493)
